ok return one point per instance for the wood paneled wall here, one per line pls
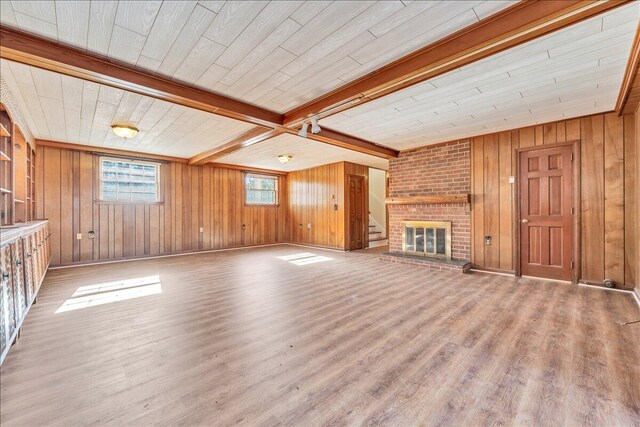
(637, 198)
(608, 157)
(193, 197)
(312, 195)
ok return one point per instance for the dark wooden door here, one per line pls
(356, 212)
(546, 223)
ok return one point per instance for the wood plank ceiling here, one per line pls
(276, 54)
(281, 54)
(68, 109)
(573, 72)
(306, 154)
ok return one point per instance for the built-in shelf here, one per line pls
(4, 132)
(429, 200)
(4, 157)
(5, 191)
(18, 201)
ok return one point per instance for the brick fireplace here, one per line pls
(416, 177)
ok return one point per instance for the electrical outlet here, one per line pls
(512, 180)
(79, 236)
(202, 229)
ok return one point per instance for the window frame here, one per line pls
(159, 193)
(248, 174)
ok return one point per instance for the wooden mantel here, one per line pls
(429, 200)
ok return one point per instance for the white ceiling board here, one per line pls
(66, 109)
(306, 154)
(300, 49)
(572, 72)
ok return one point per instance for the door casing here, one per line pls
(365, 213)
(576, 241)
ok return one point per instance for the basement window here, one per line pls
(129, 181)
(261, 189)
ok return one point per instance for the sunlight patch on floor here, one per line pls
(296, 256)
(311, 260)
(304, 258)
(108, 292)
(118, 284)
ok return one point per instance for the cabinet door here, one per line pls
(47, 242)
(27, 258)
(3, 312)
(19, 293)
(8, 304)
(42, 249)
(39, 250)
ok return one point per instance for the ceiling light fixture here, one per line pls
(303, 130)
(315, 127)
(124, 131)
(284, 158)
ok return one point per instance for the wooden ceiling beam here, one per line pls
(629, 96)
(247, 139)
(108, 151)
(260, 134)
(342, 140)
(518, 24)
(247, 168)
(39, 52)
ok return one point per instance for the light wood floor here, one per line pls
(244, 337)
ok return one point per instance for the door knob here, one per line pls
(525, 221)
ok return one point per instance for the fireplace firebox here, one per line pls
(427, 238)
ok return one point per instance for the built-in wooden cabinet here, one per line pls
(25, 253)
(6, 169)
(17, 173)
(30, 201)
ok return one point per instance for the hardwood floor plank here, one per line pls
(316, 337)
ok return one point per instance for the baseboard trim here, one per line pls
(633, 293)
(142, 258)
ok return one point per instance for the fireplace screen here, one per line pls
(427, 238)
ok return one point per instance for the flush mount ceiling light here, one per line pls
(315, 127)
(124, 131)
(303, 130)
(284, 158)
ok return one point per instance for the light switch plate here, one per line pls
(79, 236)
(512, 180)
(202, 229)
